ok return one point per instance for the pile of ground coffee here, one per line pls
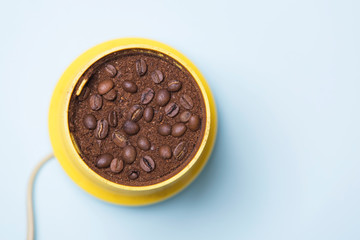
(139, 119)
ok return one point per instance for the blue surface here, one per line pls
(286, 78)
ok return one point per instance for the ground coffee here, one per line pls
(137, 117)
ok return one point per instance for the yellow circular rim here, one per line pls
(58, 115)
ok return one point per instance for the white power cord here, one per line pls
(29, 200)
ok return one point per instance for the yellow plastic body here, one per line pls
(80, 173)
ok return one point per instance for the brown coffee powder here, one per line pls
(139, 119)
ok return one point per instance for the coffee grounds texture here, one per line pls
(125, 64)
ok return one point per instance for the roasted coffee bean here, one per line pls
(178, 129)
(165, 152)
(164, 129)
(116, 165)
(131, 128)
(90, 121)
(111, 70)
(102, 129)
(133, 174)
(129, 154)
(180, 150)
(172, 109)
(104, 160)
(135, 113)
(112, 119)
(148, 114)
(186, 101)
(95, 102)
(162, 97)
(105, 86)
(143, 143)
(174, 85)
(84, 94)
(160, 118)
(185, 116)
(157, 76)
(119, 139)
(147, 95)
(111, 95)
(194, 123)
(147, 164)
(129, 86)
(141, 67)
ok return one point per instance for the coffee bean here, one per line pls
(116, 165)
(105, 86)
(162, 97)
(165, 152)
(129, 154)
(119, 139)
(148, 114)
(133, 174)
(112, 119)
(131, 128)
(95, 102)
(135, 113)
(147, 95)
(143, 143)
(180, 150)
(90, 121)
(102, 129)
(141, 67)
(84, 94)
(185, 116)
(161, 116)
(147, 164)
(194, 123)
(111, 70)
(104, 160)
(174, 85)
(178, 129)
(164, 129)
(129, 86)
(157, 76)
(111, 95)
(172, 109)
(186, 101)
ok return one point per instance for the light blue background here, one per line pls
(286, 78)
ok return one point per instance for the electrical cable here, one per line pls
(29, 197)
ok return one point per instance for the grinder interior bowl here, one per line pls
(184, 94)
